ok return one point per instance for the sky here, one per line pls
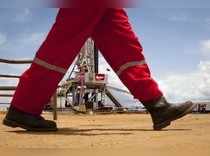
(176, 41)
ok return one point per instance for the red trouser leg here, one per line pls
(68, 34)
(121, 48)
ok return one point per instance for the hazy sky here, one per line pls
(176, 43)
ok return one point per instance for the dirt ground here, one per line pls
(111, 135)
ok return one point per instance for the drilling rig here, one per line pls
(86, 89)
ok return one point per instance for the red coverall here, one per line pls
(113, 35)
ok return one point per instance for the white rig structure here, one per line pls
(86, 89)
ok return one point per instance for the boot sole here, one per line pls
(14, 124)
(166, 123)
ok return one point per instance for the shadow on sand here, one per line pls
(92, 131)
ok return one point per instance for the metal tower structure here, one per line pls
(86, 89)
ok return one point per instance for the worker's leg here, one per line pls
(68, 34)
(121, 48)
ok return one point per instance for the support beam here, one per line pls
(113, 99)
(6, 95)
(54, 106)
(9, 76)
(7, 88)
(96, 59)
(4, 103)
(15, 61)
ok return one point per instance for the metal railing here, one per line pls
(13, 88)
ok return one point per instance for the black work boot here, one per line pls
(16, 118)
(163, 113)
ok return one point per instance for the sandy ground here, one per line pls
(111, 135)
